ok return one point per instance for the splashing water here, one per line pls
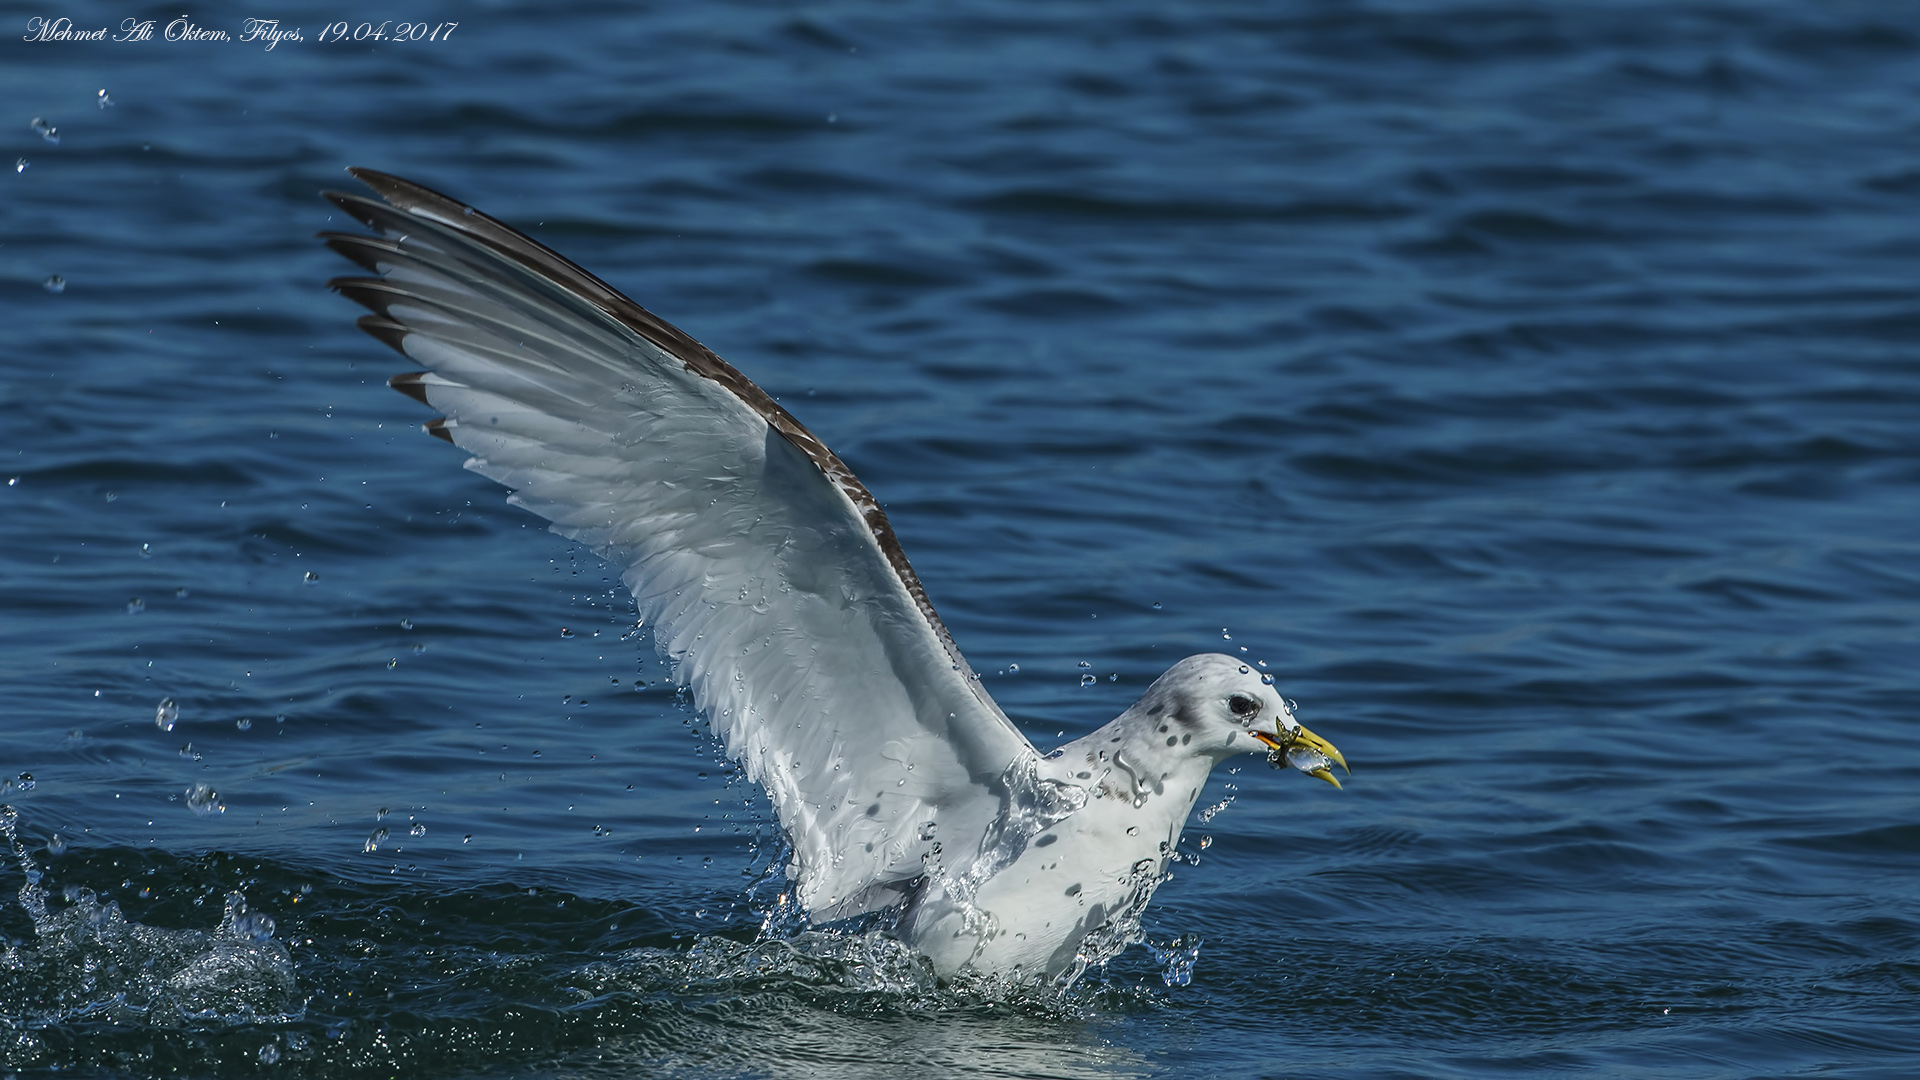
(88, 962)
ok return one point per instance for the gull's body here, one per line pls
(773, 583)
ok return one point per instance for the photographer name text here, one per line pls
(264, 33)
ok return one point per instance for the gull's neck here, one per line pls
(1148, 763)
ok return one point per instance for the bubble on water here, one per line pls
(204, 801)
(243, 724)
(417, 830)
(47, 131)
(136, 605)
(103, 99)
(269, 1054)
(166, 714)
(374, 840)
(54, 284)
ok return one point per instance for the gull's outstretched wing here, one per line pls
(767, 572)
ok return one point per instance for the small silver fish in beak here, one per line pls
(1303, 750)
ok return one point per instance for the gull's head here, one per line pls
(1219, 705)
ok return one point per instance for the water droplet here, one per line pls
(467, 839)
(1156, 605)
(20, 166)
(104, 101)
(381, 814)
(1086, 663)
(1013, 669)
(1268, 679)
(311, 577)
(417, 830)
(135, 606)
(165, 715)
(374, 840)
(1224, 636)
(1088, 680)
(1133, 830)
(270, 1053)
(1206, 842)
(1115, 677)
(244, 724)
(56, 845)
(406, 624)
(564, 632)
(204, 801)
(47, 131)
(189, 752)
(281, 719)
(54, 284)
(146, 551)
(703, 776)
(180, 593)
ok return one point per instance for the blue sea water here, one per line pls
(1535, 388)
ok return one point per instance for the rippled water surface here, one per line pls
(1536, 388)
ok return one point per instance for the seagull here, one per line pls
(778, 593)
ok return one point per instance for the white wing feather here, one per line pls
(769, 576)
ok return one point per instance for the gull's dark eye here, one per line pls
(1242, 705)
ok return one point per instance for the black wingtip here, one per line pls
(411, 383)
(438, 428)
(406, 195)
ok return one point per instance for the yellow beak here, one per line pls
(1283, 740)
